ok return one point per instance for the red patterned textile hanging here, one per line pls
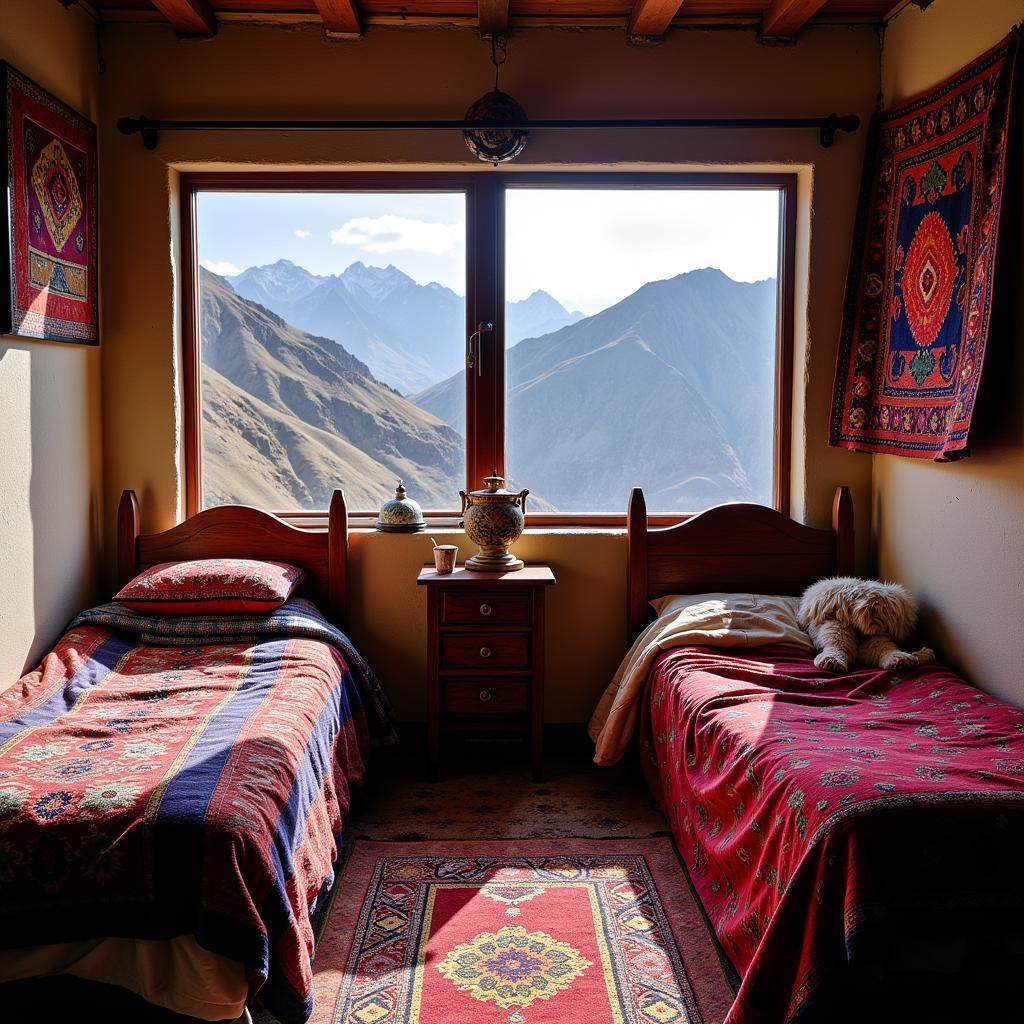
(919, 293)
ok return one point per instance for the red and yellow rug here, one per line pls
(517, 932)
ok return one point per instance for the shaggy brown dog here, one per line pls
(852, 620)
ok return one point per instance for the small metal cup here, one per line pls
(445, 556)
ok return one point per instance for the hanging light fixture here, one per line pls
(496, 145)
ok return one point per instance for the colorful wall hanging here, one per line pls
(919, 292)
(48, 266)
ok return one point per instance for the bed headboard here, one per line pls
(741, 547)
(237, 531)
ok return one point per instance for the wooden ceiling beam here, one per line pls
(786, 17)
(341, 17)
(492, 17)
(189, 17)
(87, 5)
(652, 17)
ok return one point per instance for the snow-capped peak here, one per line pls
(377, 282)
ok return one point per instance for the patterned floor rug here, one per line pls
(533, 931)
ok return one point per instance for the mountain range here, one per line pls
(409, 335)
(673, 387)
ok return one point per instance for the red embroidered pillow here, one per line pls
(227, 586)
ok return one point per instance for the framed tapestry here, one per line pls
(919, 293)
(48, 265)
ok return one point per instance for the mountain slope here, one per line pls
(255, 453)
(334, 311)
(583, 440)
(294, 416)
(698, 389)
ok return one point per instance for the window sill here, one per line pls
(365, 523)
(450, 528)
(448, 531)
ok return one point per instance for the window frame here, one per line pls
(485, 301)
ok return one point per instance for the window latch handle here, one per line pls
(474, 349)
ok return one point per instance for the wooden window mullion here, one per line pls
(485, 382)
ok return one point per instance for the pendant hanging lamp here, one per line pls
(496, 145)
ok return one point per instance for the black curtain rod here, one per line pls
(149, 128)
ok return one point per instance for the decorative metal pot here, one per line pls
(400, 514)
(494, 519)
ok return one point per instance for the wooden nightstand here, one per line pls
(485, 655)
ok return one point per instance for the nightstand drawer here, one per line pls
(486, 697)
(495, 652)
(480, 609)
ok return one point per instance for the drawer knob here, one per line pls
(485, 695)
(485, 652)
(486, 609)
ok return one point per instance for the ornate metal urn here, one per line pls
(494, 520)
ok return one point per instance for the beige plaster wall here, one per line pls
(955, 532)
(411, 73)
(50, 450)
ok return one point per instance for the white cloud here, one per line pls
(590, 248)
(225, 268)
(389, 233)
(301, 233)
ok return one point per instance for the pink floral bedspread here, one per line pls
(832, 825)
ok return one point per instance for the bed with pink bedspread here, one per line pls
(842, 832)
(856, 840)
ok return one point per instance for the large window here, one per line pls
(581, 333)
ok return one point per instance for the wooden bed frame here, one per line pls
(237, 531)
(740, 548)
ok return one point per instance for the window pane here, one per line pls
(641, 337)
(322, 318)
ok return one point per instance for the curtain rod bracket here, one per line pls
(834, 123)
(139, 126)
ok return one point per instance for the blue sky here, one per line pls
(588, 248)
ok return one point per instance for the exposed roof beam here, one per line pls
(786, 17)
(189, 17)
(652, 17)
(87, 5)
(492, 17)
(340, 16)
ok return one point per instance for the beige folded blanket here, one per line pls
(695, 620)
